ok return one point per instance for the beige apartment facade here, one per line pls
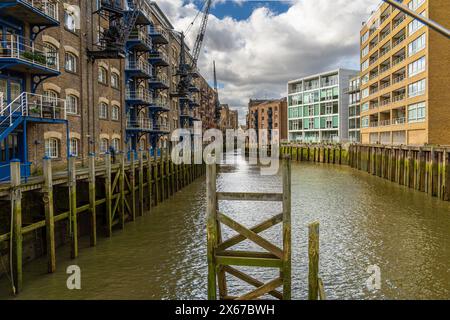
(405, 80)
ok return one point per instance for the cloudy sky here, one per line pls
(259, 45)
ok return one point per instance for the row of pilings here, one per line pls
(59, 207)
(424, 169)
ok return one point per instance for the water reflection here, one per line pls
(364, 220)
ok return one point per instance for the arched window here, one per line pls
(50, 98)
(115, 80)
(71, 62)
(52, 54)
(115, 113)
(72, 104)
(74, 147)
(103, 112)
(52, 148)
(115, 143)
(104, 144)
(102, 75)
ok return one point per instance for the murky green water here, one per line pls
(364, 221)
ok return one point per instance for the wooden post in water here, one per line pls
(141, 183)
(155, 173)
(287, 252)
(211, 228)
(47, 197)
(313, 253)
(108, 194)
(122, 191)
(92, 200)
(73, 207)
(446, 176)
(16, 236)
(149, 181)
(133, 184)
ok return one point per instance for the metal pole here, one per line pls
(430, 23)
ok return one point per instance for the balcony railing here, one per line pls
(398, 121)
(398, 60)
(159, 79)
(47, 7)
(160, 103)
(161, 128)
(398, 79)
(140, 124)
(35, 106)
(398, 98)
(398, 41)
(159, 32)
(385, 68)
(141, 95)
(385, 85)
(15, 48)
(139, 65)
(385, 102)
(398, 22)
(384, 35)
(140, 36)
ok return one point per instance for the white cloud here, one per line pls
(256, 57)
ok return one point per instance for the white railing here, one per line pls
(16, 48)
(48, 7)
(398, 121)
(139, 65)
(161, 103)
(159, 54)
(161, 127)
(142, 95)
(33, 105)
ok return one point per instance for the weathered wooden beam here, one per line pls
(287, 251)
(313, 253)
(133, 185)
(108, 195)
(149, 181)
(264, 289)
(72, 180)
(47, 195)
(211, 227)
(141, 183)
(236, 196)
(92, 199)
(122, 191)
(17, 238)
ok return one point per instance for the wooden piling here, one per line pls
(149, 181)
(122, 191)
(47, 195)
(108, 194)
(72, 181)
(287, 250)
(211, 228)
(92, 200)
(141, 183)
(133, 185)
(16, 204)
(313, 253)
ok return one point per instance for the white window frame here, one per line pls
(74, 147)
(104, 145)
(70, 63)
(52, 148)
(71, 109)
(103, 110)
(115, 113)
(102, 75)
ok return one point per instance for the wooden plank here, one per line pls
(262, 290)
(141, 183)
(211, 227)
(322, 295)
(250, 235)
(249, 262)
(235, 196)
(122, 180)
(313, 254)
(250, 280)
(47, 197)
(133, 185)
(149, 181)
(257, 229)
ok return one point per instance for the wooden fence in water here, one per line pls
(118, 192)
(424, 169)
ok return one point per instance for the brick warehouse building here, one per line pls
(268, 114)
(64, 93)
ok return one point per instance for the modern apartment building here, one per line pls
(67, 90)
(318, 107)
(269, 115)
(354, 110)
(405, 77)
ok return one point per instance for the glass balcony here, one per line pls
(159, 35)
(18, 56)
(34, 12)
